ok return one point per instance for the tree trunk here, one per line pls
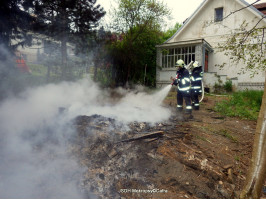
(48, 74)
(64, 45)
(257, 171)
(64, 56)
(95, 71)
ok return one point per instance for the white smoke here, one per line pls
(34, 134)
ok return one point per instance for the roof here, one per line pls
(253, 8)
(187, 20)
(203, 3)
(261, 7)
(192, 42)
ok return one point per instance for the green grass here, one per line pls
(226, 134)
(237, 158)
(38, 70)
(244, 104)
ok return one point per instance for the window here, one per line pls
(171, 55)
(218, 14)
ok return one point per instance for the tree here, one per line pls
(138, 21)
(247, 45)
(257, 171)
(135, 62)
(170, 32)
(131, 13)
(67, 19)
(15, 23)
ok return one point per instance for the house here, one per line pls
(261, 7)
(197, 41)
(42, 47)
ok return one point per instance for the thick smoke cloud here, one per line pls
(35, 131)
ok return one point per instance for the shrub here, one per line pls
(228, 86)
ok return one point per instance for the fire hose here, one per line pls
(202, 94)
(202, 86)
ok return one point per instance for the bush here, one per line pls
(218, 88)
(244, 104)
(228, 86)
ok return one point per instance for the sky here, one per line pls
(181, 9)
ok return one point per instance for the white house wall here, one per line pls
(202, 25)
(31, 52)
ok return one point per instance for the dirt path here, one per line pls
(206, 157)
(215, 148)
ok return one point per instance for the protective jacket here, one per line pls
(182, 80)
(196, 86)
(183, 89)
(196, 79)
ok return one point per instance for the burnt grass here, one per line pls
(206, 157)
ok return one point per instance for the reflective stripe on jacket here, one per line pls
(183, 79)
(196, 78)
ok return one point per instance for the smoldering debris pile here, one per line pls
(140, 161)
(38, 120)
(132, 143)
(114, 154)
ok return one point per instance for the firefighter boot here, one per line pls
(179, 108)
(196, 106)
(188, 114)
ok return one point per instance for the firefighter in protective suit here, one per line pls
(183, 91)
(196, 84)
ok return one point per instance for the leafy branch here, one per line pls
(247, 46)
(231, 13)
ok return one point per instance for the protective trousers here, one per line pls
(186, 96)
(195, 98)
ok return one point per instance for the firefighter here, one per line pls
(196, 84)
(183, 91)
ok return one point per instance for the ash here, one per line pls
(118, 156)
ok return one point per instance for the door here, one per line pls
(206, 61)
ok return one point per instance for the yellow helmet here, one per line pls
(180, 63)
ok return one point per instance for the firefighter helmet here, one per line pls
(180, 63)
(196, 64)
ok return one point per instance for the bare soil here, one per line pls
(206, 157)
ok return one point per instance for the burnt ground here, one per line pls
(206, 157)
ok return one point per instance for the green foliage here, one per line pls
(63, 19)
(218, 86)
(244, 104)
(140, 55)
(38, 70)
(133, 53)
(228, 86)
(132, 13)
(16, 23)
(246, 46)
(226, 134)
(170, 32)
(104, 77)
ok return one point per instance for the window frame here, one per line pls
(218, 18)
(171, 55)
